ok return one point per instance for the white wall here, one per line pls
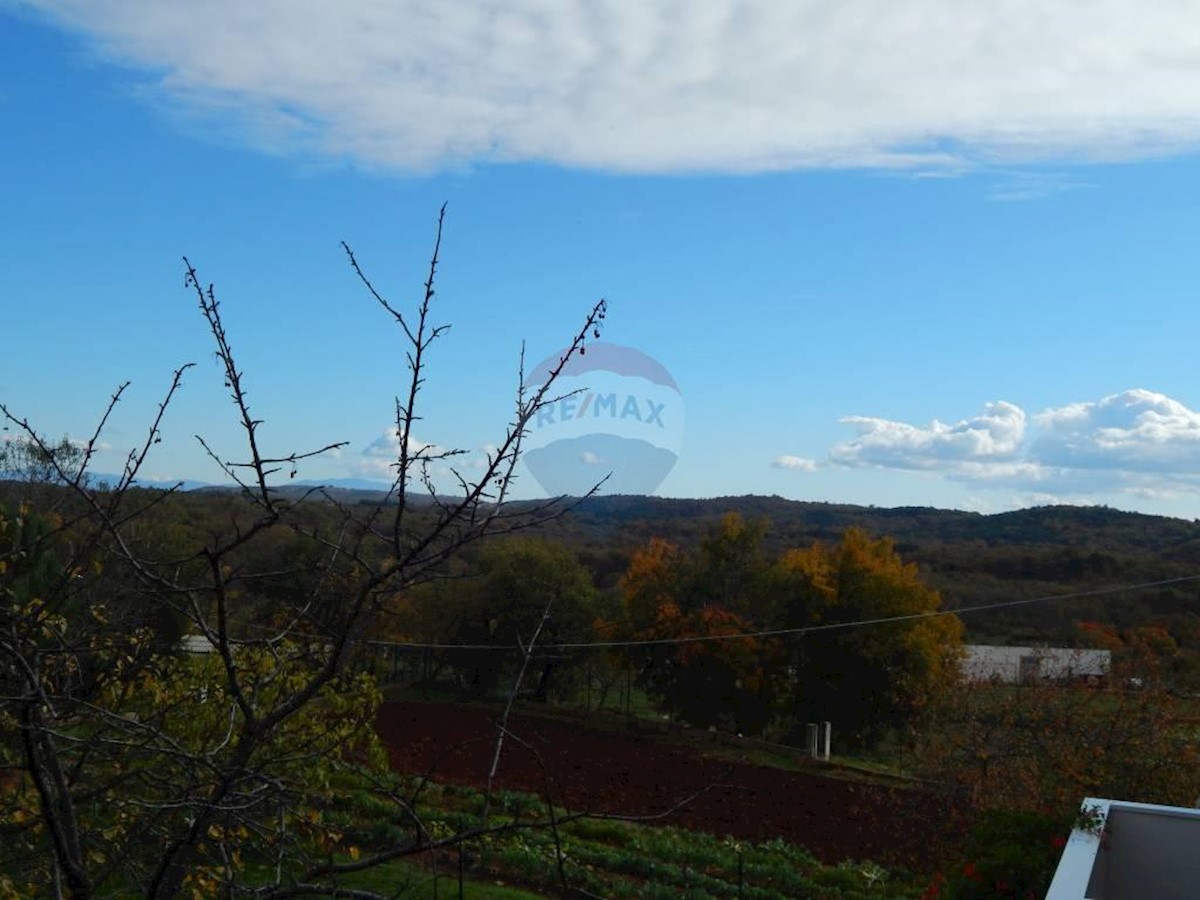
(983, 662)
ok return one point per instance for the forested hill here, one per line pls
(971, 558)
(1094, 528)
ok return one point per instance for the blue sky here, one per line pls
(892, 253)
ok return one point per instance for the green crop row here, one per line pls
(608, 857)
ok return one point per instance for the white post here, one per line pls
(828, 732)
(813, 739)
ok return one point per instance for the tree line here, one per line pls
(686, 624)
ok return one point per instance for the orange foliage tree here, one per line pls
(880, 648)
(710, 663)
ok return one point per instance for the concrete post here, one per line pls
(828, 733)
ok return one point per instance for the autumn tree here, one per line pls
(711, 674)
(1045, 746)
(846, 633)
(1142, 655)
(651, 581)
(130, 768)
(685, 608)
(879, 647)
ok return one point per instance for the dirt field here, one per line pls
(636, 773)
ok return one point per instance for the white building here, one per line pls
(195, 643)
(1012, 664)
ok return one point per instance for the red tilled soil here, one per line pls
(636, 773)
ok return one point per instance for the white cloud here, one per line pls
(796, 463)
(375, 467)
(379, 457)
(995, 435)
(1136, 443)
(732, 85)
(387, 445)
(487, 454)
(1136, 430)
(588, 458)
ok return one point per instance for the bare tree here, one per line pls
(127, 766)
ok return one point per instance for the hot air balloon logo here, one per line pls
(618, 418)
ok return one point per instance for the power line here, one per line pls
(784, 632)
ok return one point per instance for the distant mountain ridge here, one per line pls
(159, 484)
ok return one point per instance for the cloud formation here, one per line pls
(995, 435)
(795, 463)
(1137, 442)
(379, 458)
(1136, 430)
(656, 86)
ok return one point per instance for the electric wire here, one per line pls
(785, 632)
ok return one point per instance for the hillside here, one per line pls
(971, 558)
